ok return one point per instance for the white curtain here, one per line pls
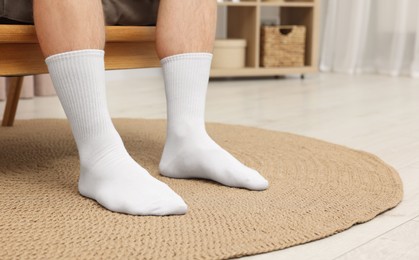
(371, 36)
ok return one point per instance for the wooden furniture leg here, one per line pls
(14, 88)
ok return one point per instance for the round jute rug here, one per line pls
(316, 189)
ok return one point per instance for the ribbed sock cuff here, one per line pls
(78, 53)
(183, 56)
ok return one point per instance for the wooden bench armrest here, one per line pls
(27, 34)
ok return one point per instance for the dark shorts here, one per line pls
(117, 12)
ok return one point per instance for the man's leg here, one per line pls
(185, 36)
(71, 34)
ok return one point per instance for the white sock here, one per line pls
(189, 152)
(108, 174)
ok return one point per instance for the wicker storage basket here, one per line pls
(282, 46)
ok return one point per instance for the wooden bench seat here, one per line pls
(127, 47)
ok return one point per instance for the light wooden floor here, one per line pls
(378, 114)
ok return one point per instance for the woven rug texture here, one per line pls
(316, 190)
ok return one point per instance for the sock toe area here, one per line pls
(250, 179)
(258, 184)
(168, 206)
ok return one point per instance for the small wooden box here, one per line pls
(229, 54)
(282, 46)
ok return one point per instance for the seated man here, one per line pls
(72, 37)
